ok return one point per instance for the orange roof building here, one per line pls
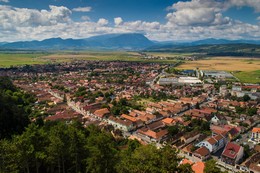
(256, 130)
(169, 121)
(255, 135)
(197, 167)
(101, 113)
(133, 119)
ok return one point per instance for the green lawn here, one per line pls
(248, 77)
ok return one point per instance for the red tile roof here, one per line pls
(169, 121)
(212, 141)
(101, 112)
(153, 134)
(203, 151)
(133, 119)
(231, 150)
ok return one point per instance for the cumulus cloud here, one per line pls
(6, 1)
(189, 20)
(118, 21)
(82, 9)
(250, 3)
(102, 22)
(14, 17)
(197, 12)
(199, 19)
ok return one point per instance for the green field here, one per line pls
(102, 56)
(7, 60)
(248, 77)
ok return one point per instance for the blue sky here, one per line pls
(157, 19)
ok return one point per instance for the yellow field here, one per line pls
(223, 63)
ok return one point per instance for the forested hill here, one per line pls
(211, 49)
(66, 148)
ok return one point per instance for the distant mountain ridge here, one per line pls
(224, 41)
(126, 41)
(108, 41)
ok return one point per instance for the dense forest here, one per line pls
(15, 107)
(57, 147)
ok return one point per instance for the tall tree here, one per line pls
(8, 157)
(102, 150)
(148, 159)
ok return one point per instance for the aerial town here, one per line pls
(203, 114)
(130, 86)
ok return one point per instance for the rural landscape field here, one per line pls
(246, 69)
(9, 59)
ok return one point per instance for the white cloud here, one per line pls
(85, 18)
(250, 3)
(118, 21)
(197, 12)
(258, 18)
(82, 9)
(102, 22)
(190, 20)
(6, 1)
(15, 17)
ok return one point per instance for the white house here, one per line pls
(218, 120)
(124, 125)
(255, 137)
(214, 143)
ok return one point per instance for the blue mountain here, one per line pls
(108, 41)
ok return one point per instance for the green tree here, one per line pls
(210, 167)
(185, 168)
(13, 110)
(30, 152)
(57, 149)
(173, 130)
(240, 110)
(8, 157)
(252, 111)
(246, 98)
(102, 151)
(148, 159)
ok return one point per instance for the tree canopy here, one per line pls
(15, 107)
